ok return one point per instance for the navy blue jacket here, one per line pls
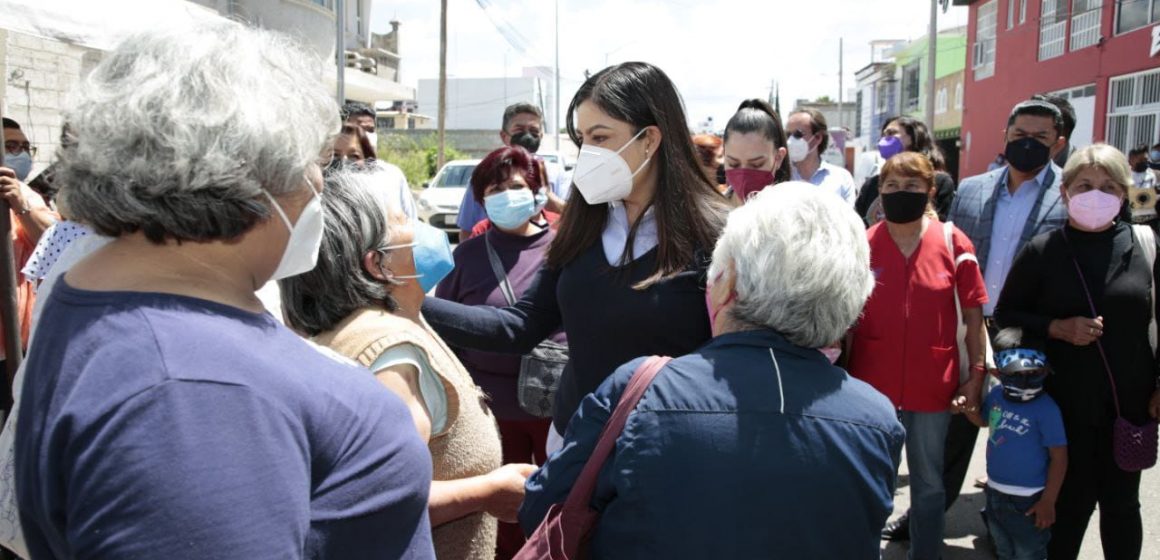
(747, 448)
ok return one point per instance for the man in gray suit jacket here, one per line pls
(1000, 211)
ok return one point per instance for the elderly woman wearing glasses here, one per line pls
(363, 301)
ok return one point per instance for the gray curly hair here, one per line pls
(177, 133)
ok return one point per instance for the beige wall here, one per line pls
(952, 117)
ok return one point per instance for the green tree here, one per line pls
(415, 156)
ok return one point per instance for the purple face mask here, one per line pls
(890, 146)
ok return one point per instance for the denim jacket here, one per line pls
(746, 448)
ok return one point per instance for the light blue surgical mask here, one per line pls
(512, 208)
(431, 252)
(20, 163)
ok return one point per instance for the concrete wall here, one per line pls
(478, 103)
(39, 76)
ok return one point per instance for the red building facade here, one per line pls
(1103, 55)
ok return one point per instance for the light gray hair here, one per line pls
(178, 132)
(1103, 157)
(356, 224)
(801, 260)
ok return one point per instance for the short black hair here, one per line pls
(1038, 108)
(356, 109)
(1138, 150)
(9, 123)
(520, 108)
(1066, 111)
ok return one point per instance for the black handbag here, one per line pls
(540, 369)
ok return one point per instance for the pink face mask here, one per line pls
(746, 182)
(1094, 209)
(832, 354)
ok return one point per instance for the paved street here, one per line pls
(966, 537)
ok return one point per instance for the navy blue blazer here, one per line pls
(973, 210)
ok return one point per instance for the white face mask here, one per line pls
(798, 149)
(301, 253)
(602, 175)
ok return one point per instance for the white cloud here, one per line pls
(718, 53)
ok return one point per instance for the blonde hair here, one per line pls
(1101, 156)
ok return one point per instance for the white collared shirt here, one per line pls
(615, 234)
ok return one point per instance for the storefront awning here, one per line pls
(948, 133)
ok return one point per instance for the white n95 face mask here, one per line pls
(301, 253)
(798, 149)
(602, 175)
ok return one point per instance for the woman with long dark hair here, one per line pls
(625, 275)
(904, 134)
(755, 150)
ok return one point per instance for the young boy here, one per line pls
(1026, 451)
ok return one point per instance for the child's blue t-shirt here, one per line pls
(1019, 437)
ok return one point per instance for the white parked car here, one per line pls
(439, 202)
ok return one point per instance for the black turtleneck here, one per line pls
(1043, 285)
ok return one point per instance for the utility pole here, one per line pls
(340, 49)
(931, 51)
(841, 84)
(442, 124)
(9, 314)
(556, 96)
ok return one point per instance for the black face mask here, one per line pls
(903, 207)
(527, 140)
(1140, 167)
(1027, 154)
(721, 175)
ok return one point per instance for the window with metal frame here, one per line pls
(1134, 14)
(983, 53)
(1052, 29)
(1134, 110)
(1086, 16)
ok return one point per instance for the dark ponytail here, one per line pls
(755, 115)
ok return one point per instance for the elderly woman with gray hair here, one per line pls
(699, 470)
(363, 301)
(169, 415)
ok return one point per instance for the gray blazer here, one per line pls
(973, 210)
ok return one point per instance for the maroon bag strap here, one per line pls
(582, 490)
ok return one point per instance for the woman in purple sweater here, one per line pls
(507, 184)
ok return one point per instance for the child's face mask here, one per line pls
(1022, 373)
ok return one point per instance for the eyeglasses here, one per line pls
(16, 148)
